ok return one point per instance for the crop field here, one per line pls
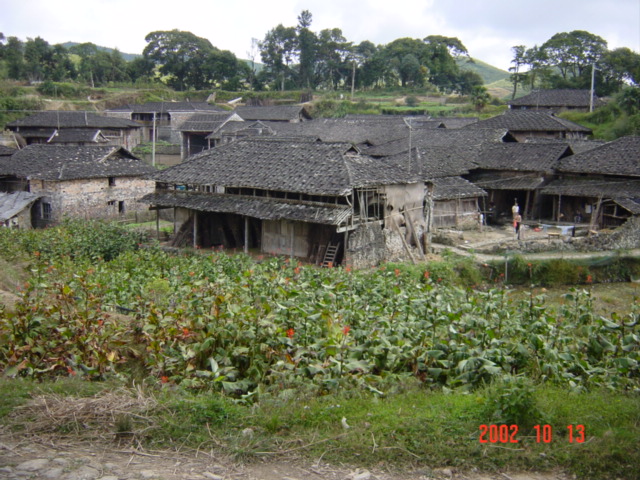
(96, 303)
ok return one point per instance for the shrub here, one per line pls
(511, 401)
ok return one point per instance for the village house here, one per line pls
(523, 124)
(274, 113)
(600, 187)
(294, 197)
(163, 118)
(513, 173)
(558, 100)
(77, 181)
(75, 128)
(198, 131)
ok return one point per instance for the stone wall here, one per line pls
(94, 198)
(366, 246)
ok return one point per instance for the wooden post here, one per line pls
(246, 234)
(195, 229)
(158, 223)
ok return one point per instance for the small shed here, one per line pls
(15, 209)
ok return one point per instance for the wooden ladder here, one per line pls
(330, 254)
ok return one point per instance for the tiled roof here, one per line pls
(282, 113)
(423, 139)
(263, 208)
(594, 187)
(13, 203)
(555, 99)
(67, 119)
(619, 157)
(521, 156)
(207, 122)
(530, 121)
(283, 165)
(493, 181)
(64, 162)
(77, 135)
(577, 145)
(6, 151)
(447, 188)
(161, 107)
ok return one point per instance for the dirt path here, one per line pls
(65, 459)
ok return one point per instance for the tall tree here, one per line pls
(333, 57)
(518, 62)
(306, 43)
(277, 52)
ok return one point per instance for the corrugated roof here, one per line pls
(263, 208)
(15, 202)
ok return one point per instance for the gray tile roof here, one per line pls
(530, 121)
(559, 98)
(619, 157)
(577, 145)
(64, 162)
(207, 122)
(77, 135)
(161, 107)
(594, 187)
(276, 164)
(263, 208)
(67, 119)
(521, 156)
(448, 188)
(426, 138)
(494, 181)
(281, 113)
(7, 151)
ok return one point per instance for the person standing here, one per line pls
(517, 225)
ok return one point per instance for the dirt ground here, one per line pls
(69, 459)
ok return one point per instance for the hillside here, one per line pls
(127, 56)
(489, 73)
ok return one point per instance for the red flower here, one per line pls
(185, 332)
(426, 274)
(164, 379)
(345, 330)
(290, 333)
(296, 270)
(589, 279)
(71, 371)
(397, 272)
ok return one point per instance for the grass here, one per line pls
(415, 428)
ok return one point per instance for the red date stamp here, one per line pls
(543, 433)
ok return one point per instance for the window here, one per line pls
(111, 203)
(121, 206)
(112, 181)
(46, 211)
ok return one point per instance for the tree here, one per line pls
(573, 53)
(518, 62)
(306, 44)
(277, 51)
(480, 97)
(332, 58)
(13, 53)
(187, 61)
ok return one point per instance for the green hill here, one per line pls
(127, 56)
(489, 73)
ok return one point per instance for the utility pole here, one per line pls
(353, 79)
(593, 83)
(153, 141)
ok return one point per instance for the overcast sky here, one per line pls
(488, 28)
